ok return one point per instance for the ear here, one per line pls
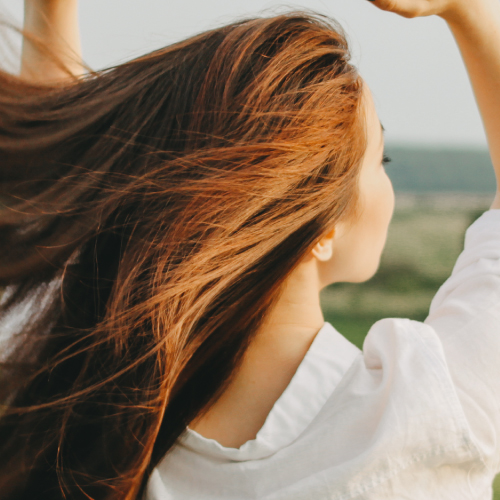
(323, 250)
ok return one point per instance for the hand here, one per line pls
(420, 8)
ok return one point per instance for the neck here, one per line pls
(296, 318)
(270, 362)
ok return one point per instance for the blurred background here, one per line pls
(440, 165)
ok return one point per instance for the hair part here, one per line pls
(158, 207)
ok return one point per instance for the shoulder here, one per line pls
(429, 391)
(405, 360)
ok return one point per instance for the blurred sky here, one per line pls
(413, 66)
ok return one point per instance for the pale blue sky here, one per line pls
(413, 67)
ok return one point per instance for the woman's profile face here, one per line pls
(357, 244)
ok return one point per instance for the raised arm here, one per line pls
(55, 24)
(475, 25)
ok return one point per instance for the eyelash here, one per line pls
(386, 160)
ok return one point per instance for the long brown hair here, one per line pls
(151, 213)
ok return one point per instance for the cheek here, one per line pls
(390, 199)
(378, 207)
(379, 210)
(386, 200)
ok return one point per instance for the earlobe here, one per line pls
(323, 250)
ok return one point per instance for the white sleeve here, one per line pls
(465, 314)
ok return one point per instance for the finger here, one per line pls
(405, 8)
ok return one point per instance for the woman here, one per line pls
(173, 220)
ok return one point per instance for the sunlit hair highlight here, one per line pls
(156, 208)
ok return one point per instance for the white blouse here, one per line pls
(414, 415)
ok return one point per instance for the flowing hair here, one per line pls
(149, 216)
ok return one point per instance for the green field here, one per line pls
(425, 238)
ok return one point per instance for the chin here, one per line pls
(365, 274)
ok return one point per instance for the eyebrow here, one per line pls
(383, 130)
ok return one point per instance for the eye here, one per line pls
(386, 160)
